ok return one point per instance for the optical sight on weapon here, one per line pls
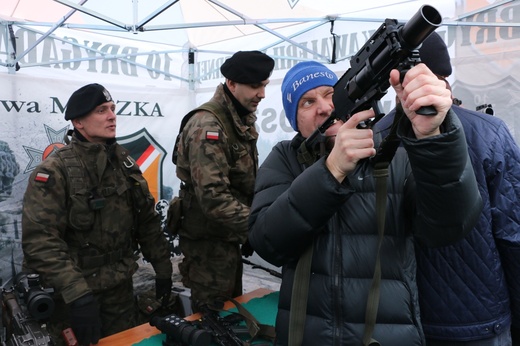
(25, 306)
(38, 300)
(180, 332)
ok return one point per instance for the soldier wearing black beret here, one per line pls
(86, 209)
(248, 67)
(217, 161)
(85, 99)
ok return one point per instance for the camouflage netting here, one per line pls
(9, 168)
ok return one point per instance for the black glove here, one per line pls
(163, 289)
(247, 250)
(84, 320)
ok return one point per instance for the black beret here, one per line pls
(434, 54)
(85, 99)
(248, 67)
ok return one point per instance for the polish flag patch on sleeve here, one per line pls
(213, 135)
(41, 177)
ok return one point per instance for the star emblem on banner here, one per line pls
(292, 3)
(56, 141)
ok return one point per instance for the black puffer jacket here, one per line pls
(470, 290)
(293, 208)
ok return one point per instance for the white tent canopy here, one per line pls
(181, 27)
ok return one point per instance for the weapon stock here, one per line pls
(392, 46)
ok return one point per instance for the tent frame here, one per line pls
(13, 59)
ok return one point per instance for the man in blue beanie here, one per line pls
(301, 78)
(314, 212)
(469, 292)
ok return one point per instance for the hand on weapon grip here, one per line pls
(419, 88)
(351, 146)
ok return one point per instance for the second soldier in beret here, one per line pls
(217, 160)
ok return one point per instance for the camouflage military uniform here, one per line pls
(85, 210)
(219, 174)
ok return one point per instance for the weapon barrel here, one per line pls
(366, 81)
(420, 26)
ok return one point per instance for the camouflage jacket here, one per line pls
(82, 220)
(219, 173)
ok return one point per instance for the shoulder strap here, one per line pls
(219, 112)
(254, 327)
(75, 170)
(225, 120)
(299, 297)
(381, 162)
(300, 290)
(390, 143)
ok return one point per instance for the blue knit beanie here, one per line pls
(301, 78)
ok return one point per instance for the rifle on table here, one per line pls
(392, 46)
(210, 328)
(180, 332)
(224, 331)
(24, 306)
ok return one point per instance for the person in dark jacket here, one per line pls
(469, 292)
(327, 207)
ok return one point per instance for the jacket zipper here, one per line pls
(336, 292)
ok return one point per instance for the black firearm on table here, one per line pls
(211, 327)
(392, 46)
(25, 306)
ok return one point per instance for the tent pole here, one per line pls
(136, 16)
(10, 45)
(191, 68)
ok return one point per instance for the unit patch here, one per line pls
(213, 135)
(41, 177)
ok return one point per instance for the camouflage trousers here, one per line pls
(212, 269)
(118, 312)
